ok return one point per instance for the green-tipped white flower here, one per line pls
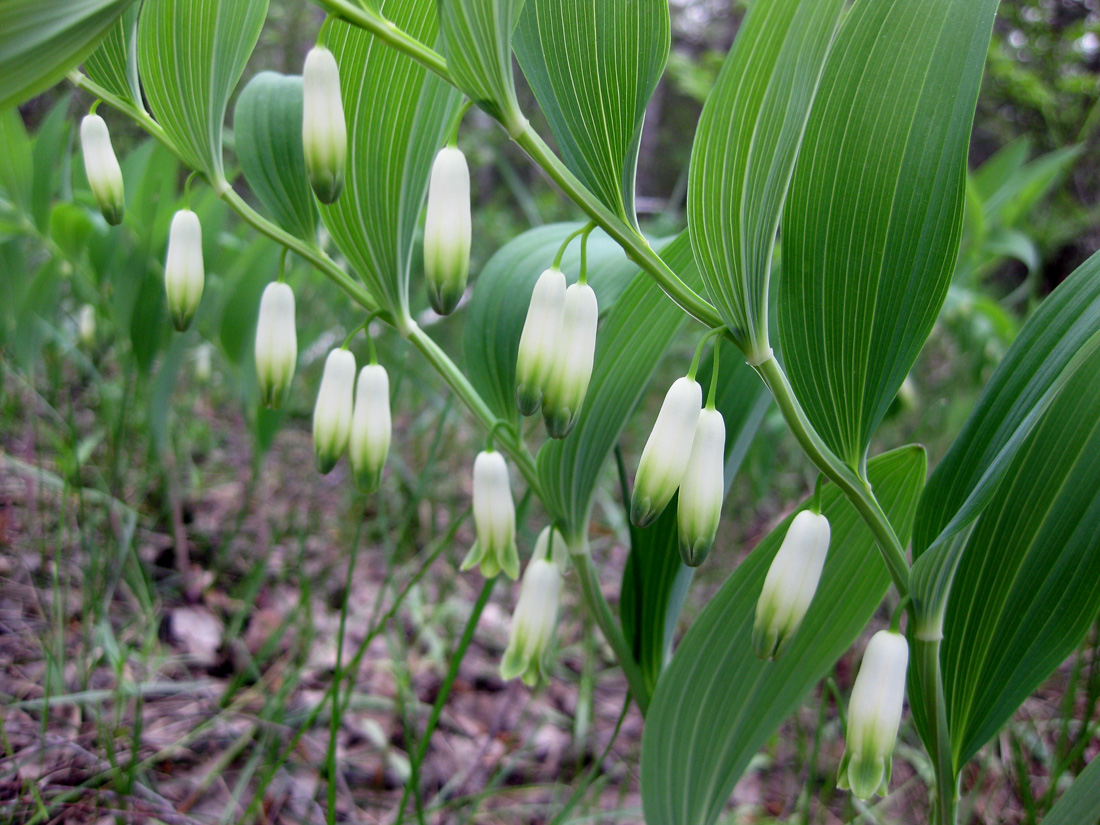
(324, 131)
(494, 519)
(276, 345)
(790, 584)
(447, 230)
(874, 713)
(371, 427)
(101, 166)
(184, 275)
(702, 489)
(536, 616)
(85, 325)
(332, 412)
(539, 340)
(572, 371)
(666, 453)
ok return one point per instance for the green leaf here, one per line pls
(716, 704)
(398, 115)
(655, 580)
(745, 150)
(502, 292)
(1080, 805)
(237, 329)
(52, 153)
(628, 348)
(191, 54)
(1018, 563)
(593, 66)
(1027, 186)
(42, 39)
(113, 64)
(477, 42)
(1002, 167)
(15, 159)
(267, 126)
(873, 219)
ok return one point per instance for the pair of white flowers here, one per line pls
(353, 415)
(556, 351)
(686, 452)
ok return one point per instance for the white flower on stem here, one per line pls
(790, 584)
(665, 456)
(333, 410)
(494, 519)
(276, 345)
(568, 384)
(874, 714)
(101, 166)
(85, 325)
(324, 130)
(371, 427)
(539, 340)
(702, 489)
(447, 230)
(536, 615)
(184, 276)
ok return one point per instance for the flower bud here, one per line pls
(494, 518)
(874, 713)
(573, 358)
(540, 339)
(332, 412)
(666, 453)
(371, 427)
(447, 230)
(183, 272)
(102, 169)
(276, 344)
(702, 489)
(324, 132)
(790, 584)
(204, 367)
(535, 618)
(85, 325)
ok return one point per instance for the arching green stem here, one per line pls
(584, 230)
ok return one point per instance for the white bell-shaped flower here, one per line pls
(276, 344)
(702, 489)
(86, 325)
(568, 384)
(447, 230)
(790, 584)
(371, 427)
(101, 166)
(333, 410)
(539, 340)
(324, 130)
(494, 519)
(667, 452)
(536, 616)
(874, 714)
(184, 276)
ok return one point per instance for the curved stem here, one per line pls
(507, 440)
(856, 489)
(609, 625)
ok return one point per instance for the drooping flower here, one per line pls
(665, 456)
(874, 714)
(332, 412)
(184, 276)
(101, 166)
(324, 130)
(536, 615)
(276, 344)
(371, 427)
(702, 489)
(494, 518)
(447, 230)
(568, 384)
(540, 338)
(85, 325)
(790, 584)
